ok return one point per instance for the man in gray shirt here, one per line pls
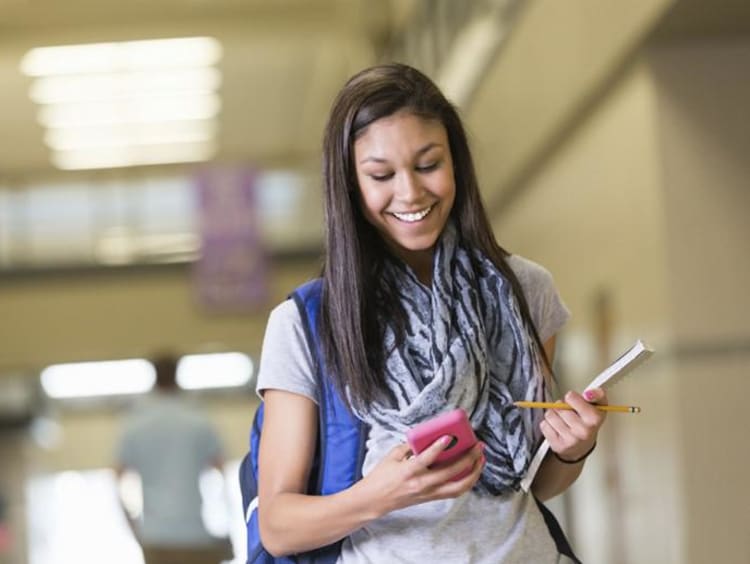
(169, 444)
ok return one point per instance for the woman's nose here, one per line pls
(408, 188)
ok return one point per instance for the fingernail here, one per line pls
(482, 446)
(589, 395)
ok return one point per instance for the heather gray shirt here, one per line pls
(471, 528)
(169, 442)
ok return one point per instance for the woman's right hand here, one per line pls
(287, 449)
(402, 479)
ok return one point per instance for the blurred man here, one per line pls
(169, 443)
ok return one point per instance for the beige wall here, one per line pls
(68, 317)
(647, 199)
(703, 91)
(704, 94)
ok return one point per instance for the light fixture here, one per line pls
(161, 109)
(61, 89)
(147, 133)
(121, 56)
(90, 379)
(214, 370)
(132, 155)
(107, 105)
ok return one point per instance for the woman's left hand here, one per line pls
(572, 433)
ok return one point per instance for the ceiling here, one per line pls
(282, 63)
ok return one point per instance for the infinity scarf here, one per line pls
(465, 346)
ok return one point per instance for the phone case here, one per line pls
(454, 423)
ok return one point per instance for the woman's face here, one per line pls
(405, 174)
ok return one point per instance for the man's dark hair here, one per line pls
(166, 371)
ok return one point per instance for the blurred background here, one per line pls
(166, 195)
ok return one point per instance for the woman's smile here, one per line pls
(412, 217)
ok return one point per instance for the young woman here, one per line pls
(422, 312)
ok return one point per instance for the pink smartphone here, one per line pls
(453, 423)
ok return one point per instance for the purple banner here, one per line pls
(231, 273)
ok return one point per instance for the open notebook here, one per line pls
(629, 360)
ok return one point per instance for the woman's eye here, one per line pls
(427, 167)
(381, 177)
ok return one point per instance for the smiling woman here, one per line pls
(419, 311)
(405, 177)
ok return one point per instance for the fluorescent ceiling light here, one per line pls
(108, 105)
(124, 85)
(88, 379)
(123, 56)
(130, 134)
(215, 370)
(134, 155)
(156, 109)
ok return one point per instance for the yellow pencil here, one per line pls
(560, 405)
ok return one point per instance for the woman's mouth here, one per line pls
(413, 217)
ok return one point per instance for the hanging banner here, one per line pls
(231, 273)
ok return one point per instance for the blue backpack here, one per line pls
(339, 453)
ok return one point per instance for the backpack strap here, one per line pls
(340, 448)
(561, 542)
(341, 436)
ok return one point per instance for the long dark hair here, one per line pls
(355, 304)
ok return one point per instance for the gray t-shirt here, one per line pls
(471, 528)
(169, 442)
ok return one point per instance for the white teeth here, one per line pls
(412, 217)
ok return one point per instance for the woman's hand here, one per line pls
(402, 479)
(572, 433)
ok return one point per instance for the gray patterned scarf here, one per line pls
(465, 346)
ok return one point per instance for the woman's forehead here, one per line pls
(401, 130)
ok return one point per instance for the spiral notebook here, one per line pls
(629, 360)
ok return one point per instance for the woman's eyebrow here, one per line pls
(419, 153)
(373, 159)
(427, 148)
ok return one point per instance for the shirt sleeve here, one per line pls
(548, 311)
(286, 360)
